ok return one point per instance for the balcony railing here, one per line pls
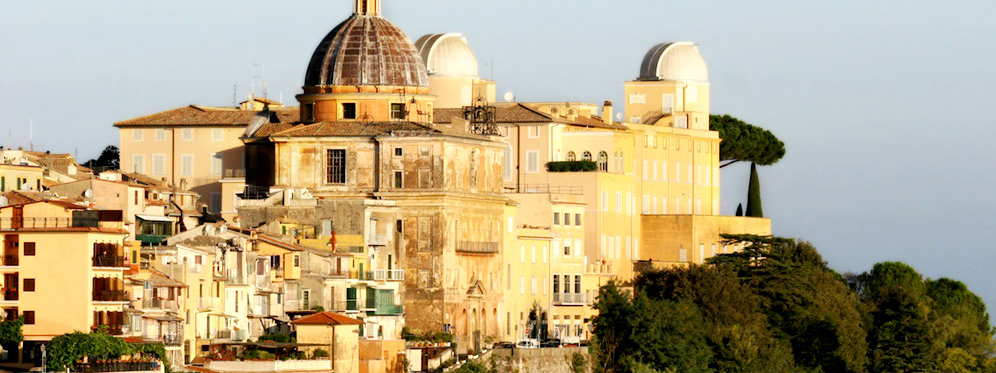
(569, 299)
(172, 339)
(110, 329)
(11, 260)
(222, 334)
(164, 304)
(110, 261)
(11, 294)
(36, 223)
(475, 247)
(110, 296)
(544, 189)
(389, 309)
(388, 275)
(116, 366)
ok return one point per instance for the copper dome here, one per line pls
(366, 50)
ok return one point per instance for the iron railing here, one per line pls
(569, 299)
(545, 189)
(476, 247)
(116, 366)
(110, 261)
(388, 275)
(11, 294)
(11, 260)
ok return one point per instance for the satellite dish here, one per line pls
(619, 117)
(88, 193)
(509, 97)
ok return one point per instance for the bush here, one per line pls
(319, 354)
(277, 337)
(256, 355)
(572, 166)
(415, 336)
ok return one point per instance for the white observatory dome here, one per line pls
(674, 61)
(447, 55)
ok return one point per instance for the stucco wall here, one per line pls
(545, 360)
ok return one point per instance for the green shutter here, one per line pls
(351, 299)
(3, 183)
(371, 298)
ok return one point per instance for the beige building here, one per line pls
(15, 177)
(336, 334)
(195, 147)
(63, 270)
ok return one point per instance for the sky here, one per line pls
(885, 106)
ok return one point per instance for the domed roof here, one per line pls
(447, 55)
(366, 50)
(674, 61)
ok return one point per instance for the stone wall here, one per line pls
(527, 360)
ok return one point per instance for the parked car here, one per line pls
(504, 345)
(551, 343)
(527, 343)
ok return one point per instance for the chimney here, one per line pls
(607, 111)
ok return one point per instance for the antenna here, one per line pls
(235, 95)
(31, 134)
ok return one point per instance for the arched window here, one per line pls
(603, 161)
(571, 157)
(586, 156)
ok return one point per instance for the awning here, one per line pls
(164, 219)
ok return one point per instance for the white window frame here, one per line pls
(159, 165)
(138, 135)
(138, 163)
(217, 165)
(217, 134)
(160, 134)
(187, 134)
(532, 161)
(533, 132)
(667, 103)
(187, 165)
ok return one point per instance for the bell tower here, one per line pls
(368, 8)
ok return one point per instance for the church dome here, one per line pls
(366, 50)
(674, 61)
(447, 55)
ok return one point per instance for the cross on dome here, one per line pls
(368, 8)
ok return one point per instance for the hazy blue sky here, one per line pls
(886, 106)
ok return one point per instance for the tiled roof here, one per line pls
(327, 318)
(194, 115)
(522, 113)
(63, 204)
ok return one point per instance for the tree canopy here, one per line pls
(743, 141)
(109, 159)
(775, 306)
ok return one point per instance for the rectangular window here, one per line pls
(349, 111)
(637, 99)
(138, 163)
(533, 132)
(681, 121)
(29, 317)
(217, 162)
(217, 134)
(158, 165)
(577, 219)
(29, 249)
(664, 171)
(556, 218)
(188, 134)
(136, 135)
(619, 202)
(655, 170)
(507, 162)
(187, 165)
(399, 152)
(667, 104)
(160, 134)
(29, 284)
(532, 161)
(399, 179)
(567, 251)
(398, 111)
(336, 166)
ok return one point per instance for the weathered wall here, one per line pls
(545, 360)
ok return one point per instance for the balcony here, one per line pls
(222, 334)
(110, 296)
(388, 274)
(569, 299)
(11, 295)
(11, 260)
(389, 310)
(111, 329)
(107, 261)
(172, 339)
(475, 247)
(160, 304)
(544, 189)
(151, 239)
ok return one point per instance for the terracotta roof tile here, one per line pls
(194, 115)
(327, 318)
(360, 129)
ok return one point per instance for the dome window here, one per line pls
(349, 110)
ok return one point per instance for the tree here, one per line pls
(754, 208)
(745, 142)
(740, 209)
(109, 159)
(899, 334)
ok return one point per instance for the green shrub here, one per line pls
(319, 354)
(277, 337)
(572, 166)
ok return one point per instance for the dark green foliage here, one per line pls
(277, 337)
(745, 142)
(256, 354)
(109, 159)
(775, 306)
(740, 209)
(10, 332)
(473, 366)
(578, 363)
(319, 354)
(65, 350)
(318, 309)
(572, 166)
(754, 208)
(416, 336)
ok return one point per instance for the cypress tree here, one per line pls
(754, 208)
(740, 209)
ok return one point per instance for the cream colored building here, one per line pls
(15, 177)
(195, 147)
(63, 270)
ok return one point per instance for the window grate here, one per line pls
(336, 166)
